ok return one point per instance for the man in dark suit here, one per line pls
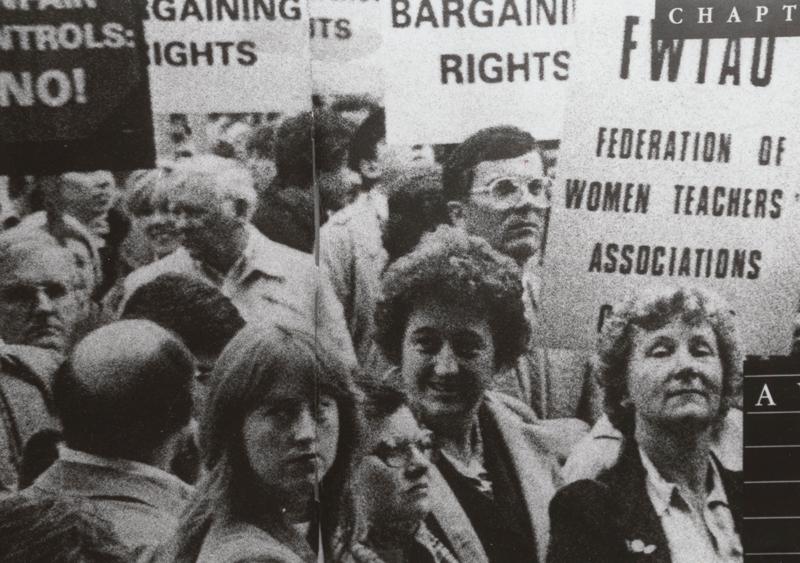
(670, 366)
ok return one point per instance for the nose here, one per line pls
(418, 464)
(445, 362)
(304, 428)
(686, 364)
(163, 216)
(540, 200)
(43, 302)
(181, 221)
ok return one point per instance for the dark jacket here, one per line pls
(592, 520)
(25, 405)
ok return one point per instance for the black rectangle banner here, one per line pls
(772, 459)
(706, 19)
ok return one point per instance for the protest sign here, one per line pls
(345, 46)
(73, 87)
(228, 55)
(451, 68)
(679, 164)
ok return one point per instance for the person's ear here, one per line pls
(369, 168)
(455, 211)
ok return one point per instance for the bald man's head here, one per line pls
(125, 389)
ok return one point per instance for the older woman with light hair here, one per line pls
(670, 366)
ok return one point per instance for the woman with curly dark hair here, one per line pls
(281, 422)
(670, 366)
(450, 318)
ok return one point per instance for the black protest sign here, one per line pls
(74, 92)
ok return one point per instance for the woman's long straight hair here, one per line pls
(255, 360)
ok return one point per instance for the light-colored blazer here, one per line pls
(241, 542)
(537, 449)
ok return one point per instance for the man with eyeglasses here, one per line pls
(38, 315)
(497, 188)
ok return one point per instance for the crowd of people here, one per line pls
(302, 343)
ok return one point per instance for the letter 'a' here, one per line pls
(765, 395)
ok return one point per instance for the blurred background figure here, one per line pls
(153, 233)
(281, 422)
(286, 212)
(198, 313)
(10, 212)
(391, 488)
(55, 529)
(212, 199)
(352, 252)
(260, 157)
(670, 367)
(40, 313)
(85, 196)
(354, 108)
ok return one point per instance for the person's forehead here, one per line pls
(676, 328)
(37, 265)
(446, 316)
(529, 164)
(197, 194)
(291, 389)
(397, 427)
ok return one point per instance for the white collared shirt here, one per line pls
(125, 465)
(708, 537)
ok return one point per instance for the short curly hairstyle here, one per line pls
(454, 267)
(652, 309)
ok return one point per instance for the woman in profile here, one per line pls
(281, 418)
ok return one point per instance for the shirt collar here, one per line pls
(260, 254)
(124, 465)
(380, 203)
(662, 493)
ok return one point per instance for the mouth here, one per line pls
(688, 393)
(522, 229)
(443, 386)
(420, 489)
(162, 235)
(306, 459)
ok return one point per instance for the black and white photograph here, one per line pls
(399, 281)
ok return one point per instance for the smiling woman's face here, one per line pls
(290, 443)
(675, 373)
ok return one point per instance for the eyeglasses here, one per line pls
(28, 294)
(402, 454)
(507, 192)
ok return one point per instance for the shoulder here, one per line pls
(585, 494)
(351, 214)
(557, 436)
(178, 261)
(242, 543)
